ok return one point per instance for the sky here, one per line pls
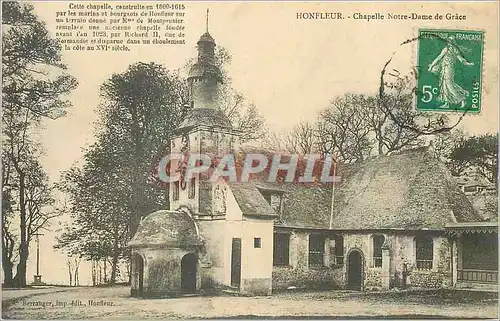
(290, 68)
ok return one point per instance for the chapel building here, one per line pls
(397, 221)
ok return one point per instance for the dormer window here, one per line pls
(470, 189)
(275, 200)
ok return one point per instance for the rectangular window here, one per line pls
(175, 192)
(281, 249)
(424, 252)
(339, 250)
(316, 250)
(378, 242)
(192, 188)
(257, 242)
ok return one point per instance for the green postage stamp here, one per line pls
(449, 70)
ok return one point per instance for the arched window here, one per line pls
(339, 249)
(424, 252)
(378, 241)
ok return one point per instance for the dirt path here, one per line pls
(115, 303)
(11, 296)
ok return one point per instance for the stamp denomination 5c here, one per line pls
(449, 70)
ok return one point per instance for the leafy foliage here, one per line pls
(34, 86)
(140, 109)
(463, 154)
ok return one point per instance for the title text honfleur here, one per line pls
(378, 16)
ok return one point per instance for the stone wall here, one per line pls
(299, 275)
(373, 278)
(318, 278)
(401, 247)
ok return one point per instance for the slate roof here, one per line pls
(251, 201)
(166, 228)
(409, 190)
(306, 206)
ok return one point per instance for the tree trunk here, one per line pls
(100, 273)
(77, 281)
(70, 275)
(116, 253)
(94, 273)
(129, 273)
(20, 279)
(7, 272)
(7, 265)
(105, 271)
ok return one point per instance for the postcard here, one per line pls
(236, 160)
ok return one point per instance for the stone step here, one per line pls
(231, 290)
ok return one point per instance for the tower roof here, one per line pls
(205, 70)
(209, 117)
(166, 228)
(206, 37)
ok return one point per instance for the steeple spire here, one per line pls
(207, 18)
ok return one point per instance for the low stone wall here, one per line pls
(314, 278)
(373, 277)
(428, 279)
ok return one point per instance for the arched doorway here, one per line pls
(355, 270)
(188, 273)
(139, 273)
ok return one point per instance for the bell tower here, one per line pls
(205, 130)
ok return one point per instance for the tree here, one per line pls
(8, 237)
(29, 55)
(357, 126)
(73, 264)
(343, 129)
(140, 109)
(33, 87)
(69, 264)
(100, 225)
(479, 153)
(388, 135)
(302, 138)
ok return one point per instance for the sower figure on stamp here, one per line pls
(444, 65)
